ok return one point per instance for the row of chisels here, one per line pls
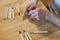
(27, 36)
(9, 12)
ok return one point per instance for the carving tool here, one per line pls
(6, 13)
(10, 12)
(21, 36)
(27, 35)
(39, 32)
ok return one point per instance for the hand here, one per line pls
(38, 14)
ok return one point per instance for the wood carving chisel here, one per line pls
(6, 13)
(39, 32)
(27, 35)
(21, 36)
(13, 16)
(10, 12)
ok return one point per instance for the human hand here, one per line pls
(38, 14)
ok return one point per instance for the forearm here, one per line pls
(54, 19)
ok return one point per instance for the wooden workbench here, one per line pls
(9, 28)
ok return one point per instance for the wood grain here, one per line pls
(9, 28)
(46, 2)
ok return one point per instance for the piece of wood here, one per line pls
(46, 2)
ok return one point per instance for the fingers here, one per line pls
(34, 14)
(33, 11)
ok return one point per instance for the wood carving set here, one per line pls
(27, 36)
(10, 13)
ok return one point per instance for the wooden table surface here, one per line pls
(9, 28)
